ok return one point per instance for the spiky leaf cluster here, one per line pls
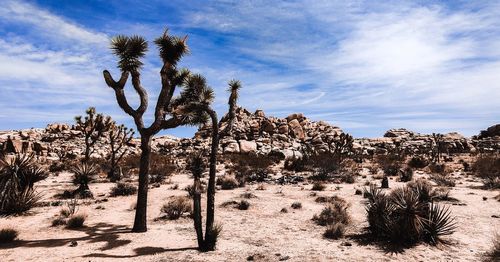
(195, 97)
(172, 48)
(407, 215)
(17, 178)
(130, 50)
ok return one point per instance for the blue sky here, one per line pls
(364, 66)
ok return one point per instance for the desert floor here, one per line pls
(262, 231)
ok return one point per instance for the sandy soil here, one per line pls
(262, 231)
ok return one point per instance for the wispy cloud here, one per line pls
(364, 66)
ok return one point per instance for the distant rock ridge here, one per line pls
(251, 133)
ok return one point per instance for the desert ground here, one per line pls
(262, 233)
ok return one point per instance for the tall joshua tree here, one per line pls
(119, 136)
(234, 87)
(93, 127)
(194, 106)
(130, 51)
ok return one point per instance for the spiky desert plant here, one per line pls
(130, 52)
(93, 126)
(17, 178)
(233, 89)
(119, 136)
(408, 215)
(83, 174)
(193, 106)
(439, 222)
(437, 147)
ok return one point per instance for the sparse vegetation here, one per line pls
(493, 255)
(123, 189)
(8, 235)
(177, 207)
(119, 137)
(487, 167)
(334, 212)
(418, 162)
(76, 221)
(318, 186)
(296, 205)
(93, 126)
(227, 182)
(243, 205)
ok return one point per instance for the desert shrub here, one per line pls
(406, 174)
(76, 221)
(243, 205)
(418, 162)
(296, 205)
(493, 255)
(123, 189)
(390, 163)
(296, 165)
(162, 166)
(250, 167)
(58, 221)
(329, 199)
(318, 186)
(348, 177)
(176, 207)
(335, 230)
(334, 212)
(437, 168)
(284, 210)
(190, 190)
(83, 174)
(443, 180)
(227, 182)
(465, 165)
(407, 215)
(8, 235)
(487, 167)
(18, 176)
(212, 235)
(248, 195)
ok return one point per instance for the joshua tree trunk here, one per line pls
(209, 236)
(140, 224)
(197, 210)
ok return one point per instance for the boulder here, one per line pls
(296, 129)
(248, 146)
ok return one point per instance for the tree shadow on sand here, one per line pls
(101, 232)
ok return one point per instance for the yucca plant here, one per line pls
(439, 223)
(83, 174)
(17, 178)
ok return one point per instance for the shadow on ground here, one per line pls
(108, 234)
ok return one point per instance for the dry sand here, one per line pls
(262, 231)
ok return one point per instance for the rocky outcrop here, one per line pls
(252, 133)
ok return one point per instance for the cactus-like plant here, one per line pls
(119, 136)
(130, 52)
(93, 126)
(233, 89)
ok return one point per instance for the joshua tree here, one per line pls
(234, 87)
(342, 147)
(194, 106)
(436, 147)
(119, 136)
(93, 127)
(130, 51)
